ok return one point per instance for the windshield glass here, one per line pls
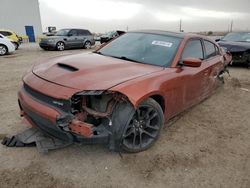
(62, 32)
(143, 48)
(237, 37)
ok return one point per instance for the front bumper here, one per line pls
(56, 122)
(47, 45)
(241, 57)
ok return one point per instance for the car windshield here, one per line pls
(237, 37)
(62, 32)
(143, 48)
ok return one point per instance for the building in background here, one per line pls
(22, 17)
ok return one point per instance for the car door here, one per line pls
(194, 79)
(72, 40)
(81, 37)
(214, 61)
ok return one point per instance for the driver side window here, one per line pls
(193, 49)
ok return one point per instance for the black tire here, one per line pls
(137, 130)
(87, 45)
(60, 46)
(3, 50)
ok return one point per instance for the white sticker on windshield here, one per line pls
(162, 43)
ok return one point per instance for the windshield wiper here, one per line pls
(127, 59)
(98, 52)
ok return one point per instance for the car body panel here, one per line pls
(58, 80)
(239, 50)
(87, 74)
(110, 35)
(75, 41)
(5, 41)
(10, 35)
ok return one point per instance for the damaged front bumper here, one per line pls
(58, 122)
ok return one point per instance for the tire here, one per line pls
(137, 130)
(60, 46)
(3, 50)
(87, 45)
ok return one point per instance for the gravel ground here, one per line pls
(206, 146)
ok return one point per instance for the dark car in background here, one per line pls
(238, 44)
(68, 38)
(110, 35)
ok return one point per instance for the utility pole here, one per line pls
(127, 28)
(180, 25)
(231, 25)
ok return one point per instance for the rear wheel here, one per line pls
(3, 50)
(60, 46)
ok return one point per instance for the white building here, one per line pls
(21, 16)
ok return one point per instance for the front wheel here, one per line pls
(142, 128)
(3, 50)
(60, 46)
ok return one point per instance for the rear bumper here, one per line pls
(11, 48)
(55, 122)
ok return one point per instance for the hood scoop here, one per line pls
(67, 67)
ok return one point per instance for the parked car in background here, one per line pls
(238, 43)
(110, 35)
(68, 38)
(15, 39)
(122, 93)
(6, 46)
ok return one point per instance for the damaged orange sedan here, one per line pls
(122, 93)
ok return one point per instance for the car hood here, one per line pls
(235, 46)
(90, 71)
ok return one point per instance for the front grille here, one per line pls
(60, 104)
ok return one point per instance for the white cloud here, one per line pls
(97, 10)
(195, 12)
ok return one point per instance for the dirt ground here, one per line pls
(207, 146)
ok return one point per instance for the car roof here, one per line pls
(168, 33)
(7, 30)
(75, 28)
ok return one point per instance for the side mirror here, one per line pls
(191, 62)
(217, 40)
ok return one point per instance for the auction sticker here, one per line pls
(162, 43)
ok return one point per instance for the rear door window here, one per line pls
(193, 49)
(73, 32)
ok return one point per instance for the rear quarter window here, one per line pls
(83, 32)
(211, 49)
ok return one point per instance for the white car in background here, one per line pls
(6, 45)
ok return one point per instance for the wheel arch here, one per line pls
(160, 100)
(156, 95)
(1, 44)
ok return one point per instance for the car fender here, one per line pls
(137, 90)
